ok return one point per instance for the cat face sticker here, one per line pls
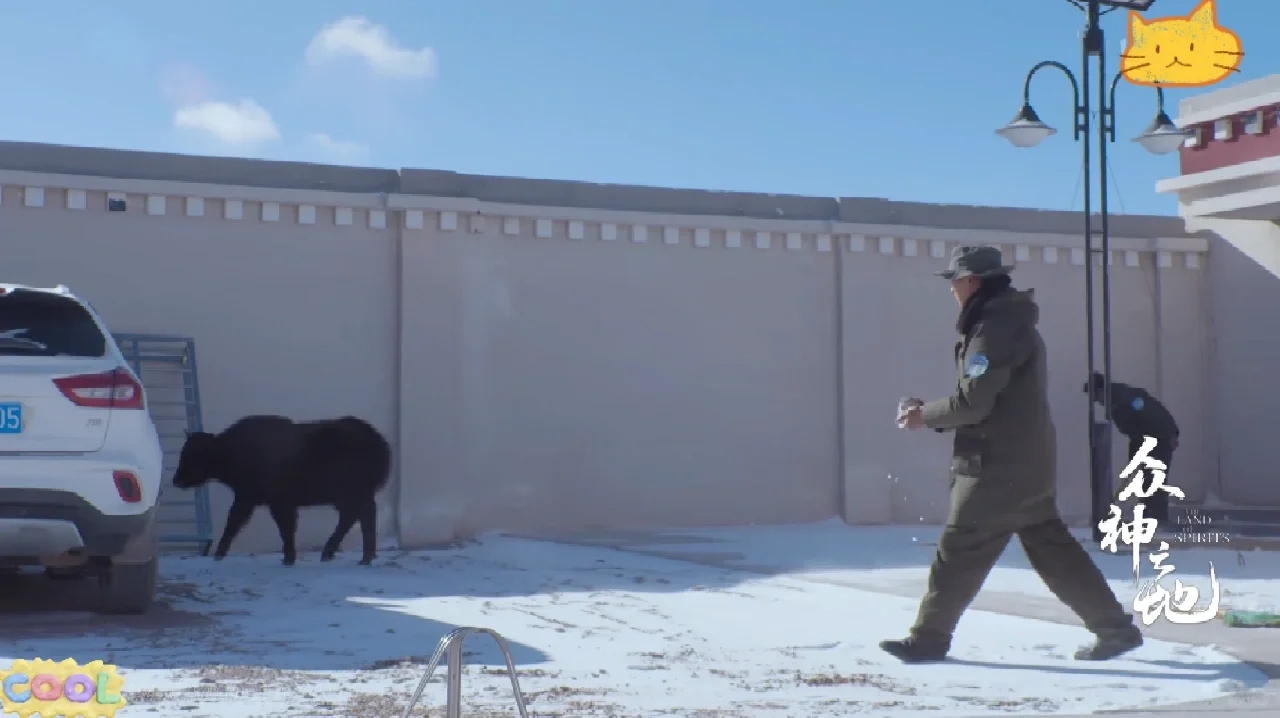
(1184, 51)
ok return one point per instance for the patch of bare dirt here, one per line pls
(871, 680)
(561, 693)
(216, 683)
(368, 705)
(1043, 705)
(381, 705)
(384, 664)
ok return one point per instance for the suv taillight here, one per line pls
(115, 389)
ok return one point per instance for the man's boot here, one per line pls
(1111, 644)
(919, 647)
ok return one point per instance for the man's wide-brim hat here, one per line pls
(975, 262)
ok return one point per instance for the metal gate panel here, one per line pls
(167, 367)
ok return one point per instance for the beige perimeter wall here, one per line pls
(552, 357)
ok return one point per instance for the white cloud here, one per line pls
(342, 151)
(355, 36)
(234, 123)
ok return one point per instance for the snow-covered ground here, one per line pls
(895, 556)
(595, 632)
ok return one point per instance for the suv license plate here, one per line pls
(11, 419)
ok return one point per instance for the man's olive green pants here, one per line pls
(966, 554)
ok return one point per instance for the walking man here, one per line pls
(1003, 466)
(1136, 415)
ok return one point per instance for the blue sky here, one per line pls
(821, 97)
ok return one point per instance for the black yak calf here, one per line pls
(282, 464)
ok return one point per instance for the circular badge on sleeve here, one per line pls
(976, 365)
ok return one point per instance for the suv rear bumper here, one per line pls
(36, 522)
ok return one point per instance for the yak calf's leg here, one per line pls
(347, 516)
(369, 532)
(237, 517)
(286, 518)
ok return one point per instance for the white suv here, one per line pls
(80, 458)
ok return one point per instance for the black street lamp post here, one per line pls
(1161, 137)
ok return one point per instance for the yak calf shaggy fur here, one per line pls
(283, 464)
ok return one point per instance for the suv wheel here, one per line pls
(130, 588)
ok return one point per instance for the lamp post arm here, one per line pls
(1109, 112)
(1080, 122)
